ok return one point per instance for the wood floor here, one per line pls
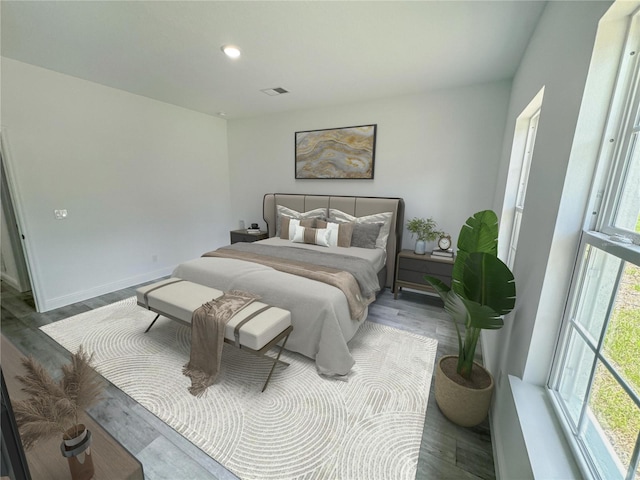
(447, 451)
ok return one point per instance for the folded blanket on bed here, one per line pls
(207, 338)
(354, 276)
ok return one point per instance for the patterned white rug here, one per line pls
(365, 426)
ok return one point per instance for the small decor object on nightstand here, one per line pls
(444, 246)
(425, 230)
(444, 242)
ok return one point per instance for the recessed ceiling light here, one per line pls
(231, 51)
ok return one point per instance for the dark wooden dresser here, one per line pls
(110, 459)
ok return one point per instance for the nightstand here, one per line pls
(243, 236)
(411, 269)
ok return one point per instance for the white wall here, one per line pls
(139, 178)
(558, 59)
(440, 151)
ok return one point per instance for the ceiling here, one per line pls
(324, 53)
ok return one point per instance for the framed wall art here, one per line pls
(336, 153)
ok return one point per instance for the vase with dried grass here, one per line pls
(56, 407)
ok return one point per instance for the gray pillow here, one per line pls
(365, 234)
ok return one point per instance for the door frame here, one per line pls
(22, 232)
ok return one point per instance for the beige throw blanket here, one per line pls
(338, 278)
(207, 338)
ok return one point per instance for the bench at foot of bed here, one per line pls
(177, 299)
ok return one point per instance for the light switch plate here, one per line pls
(60, 214)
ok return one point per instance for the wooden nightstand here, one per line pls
(243, 236)
(411, 269)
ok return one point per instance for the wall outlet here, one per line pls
(60, 214)
(154, 258)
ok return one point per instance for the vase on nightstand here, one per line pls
(421, 247)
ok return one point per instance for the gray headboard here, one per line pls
(356, 206)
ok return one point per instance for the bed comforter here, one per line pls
(322, 324)
(354, 276)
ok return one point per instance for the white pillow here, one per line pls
(385, 218)
(339, 233)
(314, 236)
(288, 212)
(293, 224)
(333, 233)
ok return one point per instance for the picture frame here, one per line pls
(345, 153)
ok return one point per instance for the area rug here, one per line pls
(366, 425)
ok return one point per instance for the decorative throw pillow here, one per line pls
(288, 226)
(381, 241)
(365, 234)
(313, 236)
(288, 212)
(339, 233)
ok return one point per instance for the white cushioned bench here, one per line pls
(177, 299)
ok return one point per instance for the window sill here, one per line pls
(550, 454)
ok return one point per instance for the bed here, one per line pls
(322, 314)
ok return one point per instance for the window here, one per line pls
(522, 185)
(524, 138)
(595, 382)
(598, 382)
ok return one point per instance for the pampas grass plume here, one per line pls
(54, 407)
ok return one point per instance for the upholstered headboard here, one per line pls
(356, 206)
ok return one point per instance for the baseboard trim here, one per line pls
(499, 460)
(12, 282)
(63, 301)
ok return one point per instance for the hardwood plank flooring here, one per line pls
(446, 452)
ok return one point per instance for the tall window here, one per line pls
(596, 376)
(522, 185)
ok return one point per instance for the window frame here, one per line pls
(627, 254)
(600, 232)
(521, 191)
(624, 108)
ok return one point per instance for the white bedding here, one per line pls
(320, 316)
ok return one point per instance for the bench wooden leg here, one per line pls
(154, 321)
(275, 362)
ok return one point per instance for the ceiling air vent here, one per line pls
(274, 91)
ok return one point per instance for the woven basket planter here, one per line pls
(465, 405)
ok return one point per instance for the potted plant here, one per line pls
(482, 291)
(426, 231)
(55, 407)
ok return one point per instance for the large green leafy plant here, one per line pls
(483, 289)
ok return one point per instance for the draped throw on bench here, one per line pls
(207, 338)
